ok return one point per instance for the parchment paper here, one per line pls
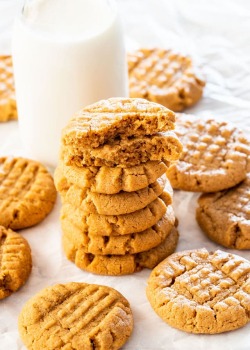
(217, 35)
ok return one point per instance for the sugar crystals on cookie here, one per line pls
(201, 292)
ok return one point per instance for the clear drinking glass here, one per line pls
(66, 55)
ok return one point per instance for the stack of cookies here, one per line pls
(117, 216)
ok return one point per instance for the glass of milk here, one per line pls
(66, 55)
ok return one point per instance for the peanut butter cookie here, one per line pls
(115, 204)
(76, 316)
(113, 225)
(119, 117)
(201, 292)
(7, 91)
(15, 261)
(215, 155)
(119, 245)
(165, 77)
(27, 192)
(116, 265)
(110, 180)
(125, 152)
(225, 216)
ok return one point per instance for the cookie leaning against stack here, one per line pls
(215, 158)
(215, 155)
(117, 216)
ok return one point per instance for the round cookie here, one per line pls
(215, 155)
(165, 77)
(116, 265)
(115, 117)
(225, 216)
(125, 153)
(201, 292)
(76, 316)
(15, 261)
(119, 245)
(27, 192)
(7, 91)
(113, 225)
(116, 204)
(110, 180)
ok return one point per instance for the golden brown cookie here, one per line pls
(119, 117)
(27, 192)
(115, 204)
(125, 152)
(214, 157)
(113, 225)
(165, 77)
(119, 245)
(7, 91)
(110, 180)
(15, 261)
(120, 264)
(76, 316)
(201, 292)
(225, 216)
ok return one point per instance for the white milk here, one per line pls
(66, 54)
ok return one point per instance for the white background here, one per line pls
(217, 35)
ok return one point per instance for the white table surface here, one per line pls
(217, 35)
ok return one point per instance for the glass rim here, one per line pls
(110, 3)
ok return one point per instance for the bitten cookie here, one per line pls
(113, 225)
(125, 152)
(76, 316)
(201, 292)
(122, 244)
(225, 216)
(165, 77)
(119, 117)
(110, 180)
(215, 155)
(7, 91)
(116, 265)
(116, 204)
(15, 261)
(27, 192)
